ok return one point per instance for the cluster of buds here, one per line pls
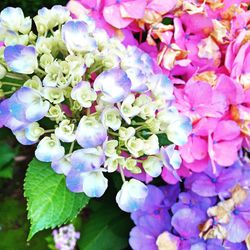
(65, 237)
(93, 105)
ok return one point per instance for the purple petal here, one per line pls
(186, 222)
(140, 239)
(84, 160)
(204, 186)
(237, 229)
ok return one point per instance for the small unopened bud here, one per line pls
(2, 71)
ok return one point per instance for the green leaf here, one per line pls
(7, 154)
(167, 21)
(7, 171)
(163, 140)
(106, 228)
(14, 227)
(50, 203)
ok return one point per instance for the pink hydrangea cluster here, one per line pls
(204, 48)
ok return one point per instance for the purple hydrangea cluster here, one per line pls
(209, 212)
(93, 105)
(65, 237)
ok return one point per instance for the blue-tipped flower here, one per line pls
(171, 159)
(27, 105)
(49, 149)
(86, 174)
(21, 59)
(93, 184)
(90, 132)
(114, 85)
(138, 79)
(13, 19)
(179, 130)
(132, 195)
(162, 86)
(76, 37)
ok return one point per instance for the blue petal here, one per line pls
(84, 160)
(114, 84)
(21, 59)
(76, 37)
(94, 184)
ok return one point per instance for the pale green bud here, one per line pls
(44, 45)
(151, 145)
(135, 146)
(76, 106)
(34, 131)
(126, 133)
(111, 118)
(110, 148)
(89, 59)
(65, 131)
(131, 165)
(55, 113)
(3, 71)
(67, 92)
(26, 26)
(41, 24)
(34, 83)
(127, 109)
(113, 163)
(46, 60)
(54, 95)
(153, 166)
(84, 94)
(65, 68)
(32, 36)
(153, 125)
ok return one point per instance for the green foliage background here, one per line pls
(30, 7)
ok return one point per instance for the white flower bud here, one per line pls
(126, 133)
(65, 131)
(111, 118)
(54, 95)
(2, 71)
(110, 148)
(135, 146)
(153, 166)
(151, 145)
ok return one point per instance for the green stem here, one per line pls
(95, 69)
(122, 174)
(16, 76)
(71, 147)
(9, 92)
(48, 131)
(10, 84)
(40, 71)
(113, 133)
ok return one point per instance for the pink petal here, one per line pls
(112, 15)
(230, 88)
(226, 130)
(226, 153)
(201, 97)
(197, 166)
(199, 148)
(133, 9)
(161, 6)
